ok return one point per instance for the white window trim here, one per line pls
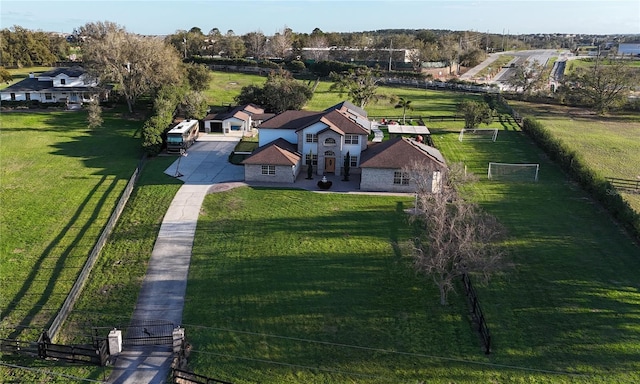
(268, 170)
(400, 178)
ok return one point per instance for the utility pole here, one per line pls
(390, 53)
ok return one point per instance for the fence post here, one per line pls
(115, 342)
(43, 340)
(178, 338)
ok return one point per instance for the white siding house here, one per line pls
(60, 85)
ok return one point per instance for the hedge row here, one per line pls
(590, 180)
(236, 62)
(32, 104)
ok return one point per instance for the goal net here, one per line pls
(478, 134)
(513, 172)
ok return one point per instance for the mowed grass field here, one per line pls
(610, 145)
(293, 286)
(60, 182)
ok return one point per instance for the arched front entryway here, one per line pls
(330, 162)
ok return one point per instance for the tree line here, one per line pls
(20, 47)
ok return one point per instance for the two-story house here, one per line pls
(320, 139)
(59, 85)
(294, 140)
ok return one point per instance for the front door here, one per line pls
(330, 164)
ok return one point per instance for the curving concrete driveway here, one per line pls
(163, 289)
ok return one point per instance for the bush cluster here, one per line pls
(595, 184)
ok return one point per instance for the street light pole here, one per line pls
(178, 174)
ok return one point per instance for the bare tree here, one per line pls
(281, 42)
(318, 45)
(453, 237)
(256, 44)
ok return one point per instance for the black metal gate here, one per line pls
(148, 332)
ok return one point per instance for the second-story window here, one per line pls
(351, 139)
(311, 138)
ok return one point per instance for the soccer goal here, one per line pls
(478, 134)
(513, 172)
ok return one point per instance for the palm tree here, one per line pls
(404, 104)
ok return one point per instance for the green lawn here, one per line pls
(60, 182)
(225, 86)
(610, 145)
(289, 274)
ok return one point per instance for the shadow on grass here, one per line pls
(573, 301)
(60, 259)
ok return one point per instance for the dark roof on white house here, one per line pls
(399, 152)
(34, 84)
(75, 71)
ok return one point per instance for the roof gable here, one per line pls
(345, 124)
(399, 152)
(253, 109)
(277, 152)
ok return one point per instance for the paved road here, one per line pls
(164, 286)
(521, 57)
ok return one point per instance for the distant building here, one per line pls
(632, 49)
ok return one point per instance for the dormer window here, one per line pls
(63, 81)
(329, 141)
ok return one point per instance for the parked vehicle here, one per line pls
(182, 136)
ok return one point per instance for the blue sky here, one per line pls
(160, 17)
